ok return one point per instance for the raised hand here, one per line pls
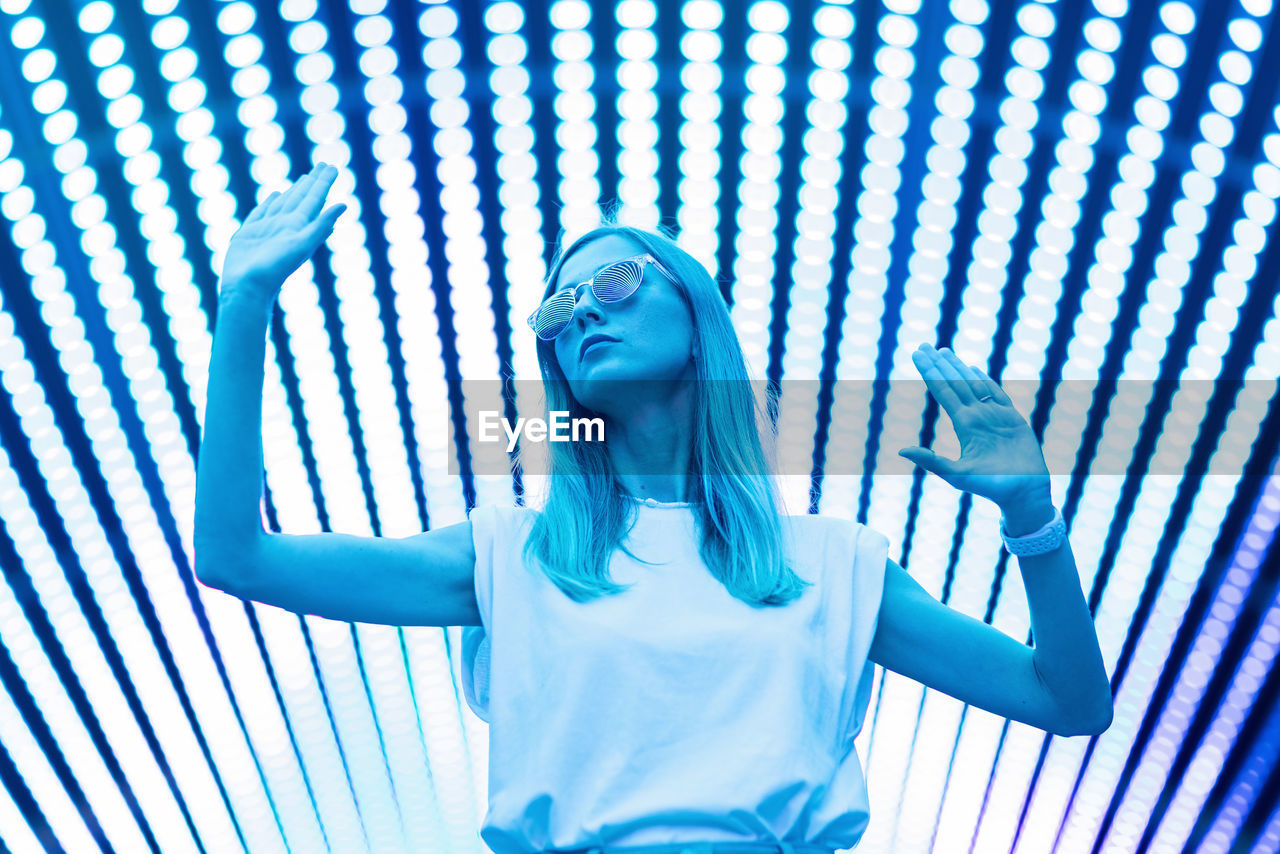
(282, 232)
(1000, 458)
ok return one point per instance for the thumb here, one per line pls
(927, 460)
(323, 224)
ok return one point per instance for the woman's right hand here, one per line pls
(282, 232)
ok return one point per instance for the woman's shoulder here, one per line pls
(503, 512)
(825, 531)
(813, 523)
(501, 518)
(500, 529)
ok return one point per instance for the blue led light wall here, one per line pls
(1078, 197)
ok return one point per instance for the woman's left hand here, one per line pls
(1000, 458)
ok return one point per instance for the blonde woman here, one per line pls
(666, 661)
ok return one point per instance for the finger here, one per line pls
(967, 389)
(992, 387)
(318, 230)
(928, 363)
(303, 187)
(324, 224)
(260, 208)
(289, 197)
(313, 199)
(277, 201)
(927, 460)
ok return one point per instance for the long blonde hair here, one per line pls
(736, 504)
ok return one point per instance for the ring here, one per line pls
(984, 398)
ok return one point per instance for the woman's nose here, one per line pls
(585, 303)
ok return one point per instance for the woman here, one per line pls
(684, 664)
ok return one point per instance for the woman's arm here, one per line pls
(228, 521)
(1067, 656)
(424, 580)
(1059, 686)
(276, 238)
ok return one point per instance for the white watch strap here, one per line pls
(1048, 538)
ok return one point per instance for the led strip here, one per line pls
(575, 107)
(637, 107)
(980, 738)
(1018, 755)
(1188, 407)
(42, 681)
(698, 188)
(147, 541)
(521, 219)
(1267, 843)
(939, 725)
(522, 246)
(758, 190)
(1158, 754)
(1206, 764)
(19, 835)
(477, 359)
(579, 190)
(349, 702)
(885, 746)
(814, 248)
(421, 778)
(952, 820)
(56, 807)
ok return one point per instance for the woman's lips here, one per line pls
(594, 344)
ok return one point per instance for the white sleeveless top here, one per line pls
(672, 712)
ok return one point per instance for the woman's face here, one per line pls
(652, 329)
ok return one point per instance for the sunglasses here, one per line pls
(613, 283)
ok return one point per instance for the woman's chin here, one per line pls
(602, 368)
(606, 375)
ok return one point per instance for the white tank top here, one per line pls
(672, 712)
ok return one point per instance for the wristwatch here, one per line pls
(1048, 538)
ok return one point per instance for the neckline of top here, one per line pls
(653, 502)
